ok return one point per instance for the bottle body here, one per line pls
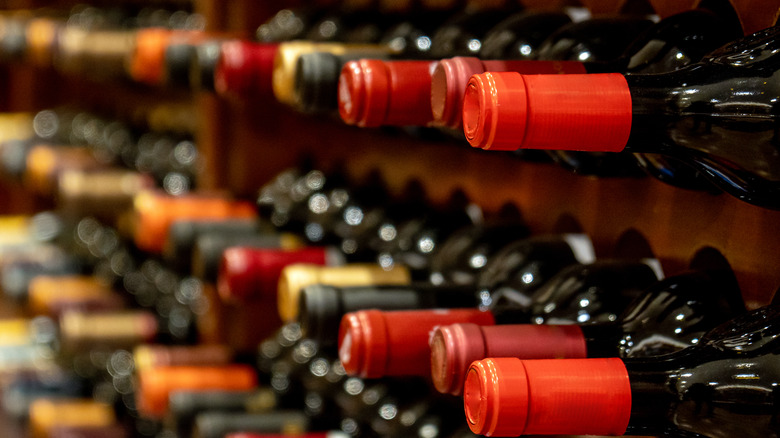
(721, 387)
(717, 115)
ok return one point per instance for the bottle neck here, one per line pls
(602, 340)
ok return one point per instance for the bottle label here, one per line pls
(582, 247)
(655, 265)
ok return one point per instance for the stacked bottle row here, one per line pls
(489, 275)
(404, 74)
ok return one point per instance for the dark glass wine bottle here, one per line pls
(522, 267)
(726, 385)
(520, 35)
(670, 315)
(463, 34)
(717, 115)
(289, 24)
(595, 40)
(317, 73)
(673, 43)
(375, 343)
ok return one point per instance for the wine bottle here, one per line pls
(149, 356)
(183, 236)
(21, 390)
(722, 386)
(253, 273)
(288, 53)
(245, 69)
(454, 269)
(672, 43)
(219, 424)
(374, 93)
(48, 413)
(154, 213)
(671, 114)
(463, 34)
(16, 275)
(156, 384)
(670, 315)
(53, 295)
(675, 42)
(317, 73)
(522, 267)
(115, 329)
(294, 278)
(289, 24)
(465, 253)
(103, 194)
(185, 406)
(366, 87)
(322, 307)
(375, 343)
(209, 248)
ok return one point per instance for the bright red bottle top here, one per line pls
(455, 347)
(510, 111)
(512, 397)
(245, 273)
(373, 343)
(373, 92)
(451, 76)
(245, 69)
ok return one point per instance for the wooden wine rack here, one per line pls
(246, 142)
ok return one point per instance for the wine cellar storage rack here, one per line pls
(245, 142)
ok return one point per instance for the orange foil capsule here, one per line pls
(155, 212)
(156, 384)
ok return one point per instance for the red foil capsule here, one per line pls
(455, 347)
(510, 111)
(373, 343)
(245, 69)
(373, 92)
(450, 77)
(513, 397)
(247, 273)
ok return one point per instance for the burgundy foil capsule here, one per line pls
(245, 69)
(455, 347)
(373, 343)
(450, 77)
(247, 273)
(373, 93)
